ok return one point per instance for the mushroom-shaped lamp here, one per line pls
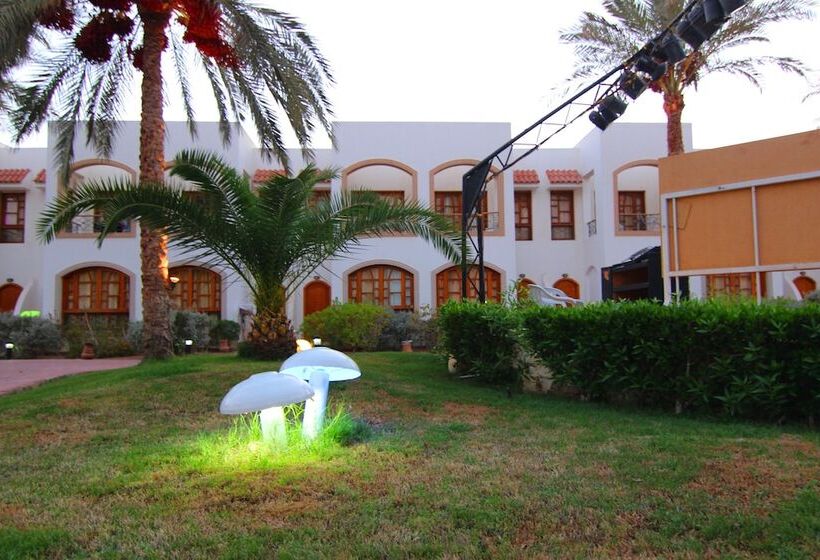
(266, 392)
(319, 366)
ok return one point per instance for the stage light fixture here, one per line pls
(632, 84)
(697, 17)
(609, 109)
(651, 67)
(669, 50)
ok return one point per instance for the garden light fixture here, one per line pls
(189, 344)
(9, 349)
(317, 341)
(319, 366)
(267, 392)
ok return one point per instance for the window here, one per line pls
(448, 204)
(523, 216)
(318, 196)
(12, 217)
(389, 286)
(448, 284)
(632, 210)
(198, 289)
(736, 284)
(562, 212)
(95, 291)
(396, 197)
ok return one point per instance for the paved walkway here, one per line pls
(16, 374)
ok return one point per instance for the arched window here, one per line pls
(198, 289)
(95, 291)
(386, 285)
(448, 284)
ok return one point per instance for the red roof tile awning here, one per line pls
(13, 176)
(525, 176)
(262, 175)
(41, 177)
(565, 176)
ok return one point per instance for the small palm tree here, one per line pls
(272, 238)
(82, 57)
(602, 44)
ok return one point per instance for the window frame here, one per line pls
(556, 224)
(522, 200)
(637, 222)
(98, 297)
(382, 288)
(184, 290)
(20, 216)
(452, 276)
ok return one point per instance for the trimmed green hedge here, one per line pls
(347, 326)
(483, 338)
(727, 357)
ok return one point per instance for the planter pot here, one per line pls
(224, 345)
(406, 345)
(88, 351)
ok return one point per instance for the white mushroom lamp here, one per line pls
(267, 392)
(319, 366)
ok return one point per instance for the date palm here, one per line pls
(604, 42)
(273, 238)
(82, 57)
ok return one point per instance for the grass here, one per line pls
(137, 463)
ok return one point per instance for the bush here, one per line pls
(189, 325)
(134, 336)
(347, 326)
(727, 357)
(108, 334)
(483, 339)
(32, 336)
(225, 330)
(404, 325)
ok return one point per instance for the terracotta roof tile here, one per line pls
(525, 176)
(262, 175)
(41, 177)
(571, 176)
(13, 175)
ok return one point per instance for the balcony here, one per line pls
(488, 219)
(639, 222)
(93, 223)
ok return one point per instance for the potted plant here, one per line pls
(225, 332)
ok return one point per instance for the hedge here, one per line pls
(347, 326)
(483, 339)
(727, 357)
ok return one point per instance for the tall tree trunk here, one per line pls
(157, 339)
(673, 107)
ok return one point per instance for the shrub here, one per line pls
(348, 326)
(134, 336)
(108, 334)
(483, 338)
(403, 325)
(225, 330)
(189, 325)
(32, 336)
(729, 357)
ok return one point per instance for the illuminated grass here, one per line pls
(139, 463)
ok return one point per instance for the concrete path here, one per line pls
(16, 374)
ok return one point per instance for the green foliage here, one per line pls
(225, 329)
(405, 325)
(189, 325)
(32, 336)
(271, 338)
(483, 338)
(348, 326)
(728, 357)
(110, 335)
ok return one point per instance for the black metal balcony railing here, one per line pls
(592, 228)
(639, 222)
(488, 219)
(87, 223)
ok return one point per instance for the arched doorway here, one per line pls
(8, 297)
(569, 287)
(317, 296)
(805, 285)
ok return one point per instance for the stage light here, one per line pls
(632, 85)
(651, 67)
(669, 50)
(609, 109)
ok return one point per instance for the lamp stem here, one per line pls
(316, 405)
(272, 422)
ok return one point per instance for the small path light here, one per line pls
(267, 392)
(9, 350)
(189, 345)
(318, 341)
(319, 366)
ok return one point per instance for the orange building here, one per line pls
(744, 219)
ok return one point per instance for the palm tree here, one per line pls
(602, 44)
(83, 55)
(272, 239)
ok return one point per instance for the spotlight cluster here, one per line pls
(696, 24)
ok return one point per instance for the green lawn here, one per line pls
(137, 464)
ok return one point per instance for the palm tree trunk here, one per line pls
(157, 339)
(673, 107)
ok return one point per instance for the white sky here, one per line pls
(459, 60)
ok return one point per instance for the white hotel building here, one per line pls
(556, 220)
